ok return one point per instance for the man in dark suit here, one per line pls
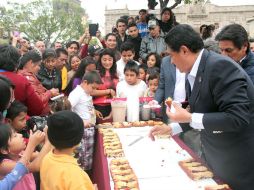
(234, 42)
(221, 107)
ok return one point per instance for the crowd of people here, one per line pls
(211, 72)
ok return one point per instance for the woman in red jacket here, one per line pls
(29, 67)
(23, 91)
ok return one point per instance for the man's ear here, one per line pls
(184, 49)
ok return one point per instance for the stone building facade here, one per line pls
(196, 15)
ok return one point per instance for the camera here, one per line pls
(36, 123)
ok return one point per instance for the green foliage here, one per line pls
(48, 20)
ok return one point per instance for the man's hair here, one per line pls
(49, 53)
(127, 46)
(9, 58)
(131, 66)
(31, 55)
(234, 33)
(121, 20)
(72, 42)
(211, 44)
(15, 109)
(132, 24)
(61, 50)
(142, 11)
(184, 35)
(92, 77)
(109, 34)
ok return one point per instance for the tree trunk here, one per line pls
(177, 2)
(163, 4)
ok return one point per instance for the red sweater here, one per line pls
(24, 92)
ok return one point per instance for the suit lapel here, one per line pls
(198, 79)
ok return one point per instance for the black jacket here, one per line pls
(50, 79)
(136, 42)
(225, 94)
(248, 65)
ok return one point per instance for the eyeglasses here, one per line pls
(227, 50)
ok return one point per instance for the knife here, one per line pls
(136, 140)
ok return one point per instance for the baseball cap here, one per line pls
(152, 23)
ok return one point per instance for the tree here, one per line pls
(163, 3)
(48, 20)
(7, 21)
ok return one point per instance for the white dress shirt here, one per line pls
(196, 118)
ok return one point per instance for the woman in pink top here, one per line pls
(107, 90)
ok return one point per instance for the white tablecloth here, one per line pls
(156, 162)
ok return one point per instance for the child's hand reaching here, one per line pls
(36, 138)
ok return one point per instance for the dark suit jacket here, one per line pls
(248, 65)
(167, 81)
(225, 94)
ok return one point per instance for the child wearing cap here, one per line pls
(59, 169)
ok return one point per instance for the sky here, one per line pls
(96, 8)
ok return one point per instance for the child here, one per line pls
(82, 104)
(11, 146)
(16, 117)
(153, 60)
(153, 83)
(152, 71)
(142, 72)
(131, 88)
(59, 169)
(131, 84)
(127, 54)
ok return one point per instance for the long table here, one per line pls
(101, 175)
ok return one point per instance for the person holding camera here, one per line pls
(17, 169)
